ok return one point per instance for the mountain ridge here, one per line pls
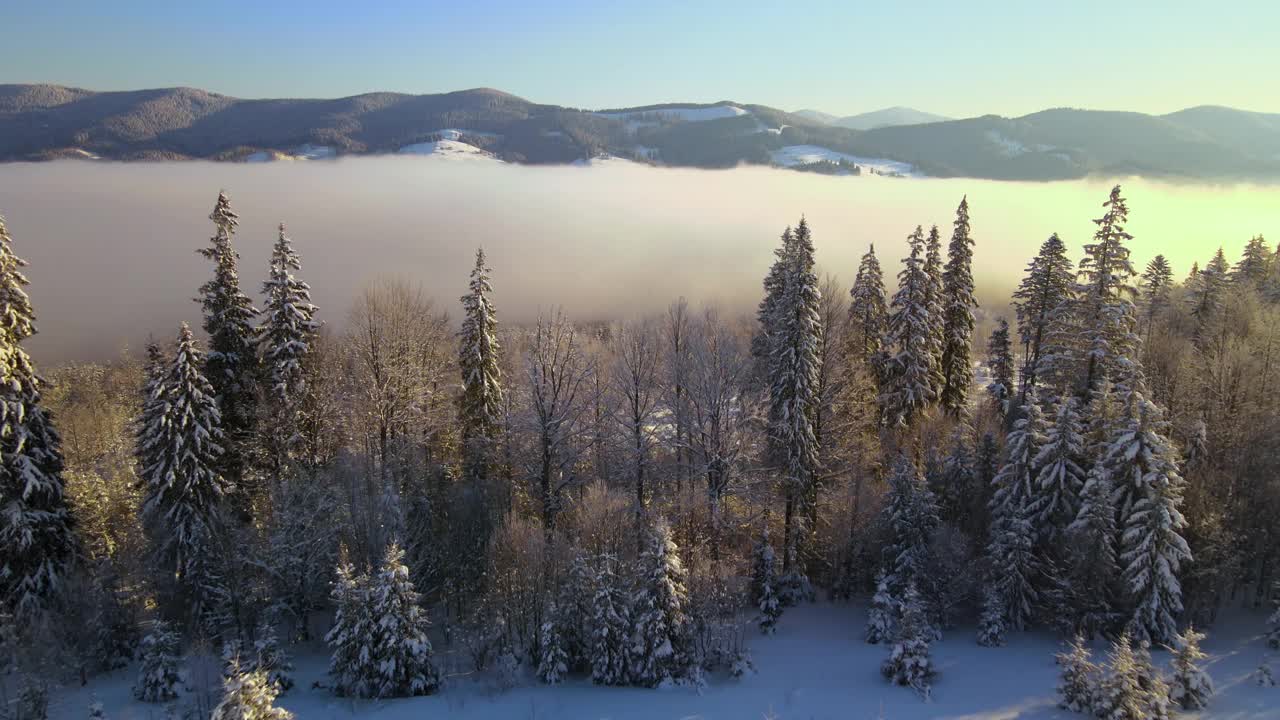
(42, 122)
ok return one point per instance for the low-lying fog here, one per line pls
(112, 246)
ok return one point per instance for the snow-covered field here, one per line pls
(448, 149)
(815, 668)
(793, 155)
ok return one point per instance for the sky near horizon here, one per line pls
(838, 56)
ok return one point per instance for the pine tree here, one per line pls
(1000, 363)
(958, 305)
(1156, 283)
(284, 342)
(399, 646)
(352, 665)
(1059, 477)
(271, 658)
(1016, 492)
(231, 365)
(909, 662)
(793, 388)
(911, 515)
(1191, 686)
(868, 313)
(37, 530)
(767, 314)
(1148, 495)
(881, 614)
(934, 303)
(1120, 695)
(158, 677)
(1015, 568)
(182, 490)
(152, 422)
(660, 642)
(1078, 679)
(1155, 689)
(993, 622)
(1209, 290)
(1047, 284)
(553, 662)
(1106, 307)
(1254, 266)
(909, 389)
(248, 695)
(480, 407)
(575, 605)
(610, 625)
(764, 584)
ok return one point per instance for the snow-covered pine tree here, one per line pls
(794, 389)
(1254, 267)
(882, 613)
(1046, 286)
(553, 660)
(1000, 364)
(1209, 290)
(934, 301)
(1059, 476)
(480, 406)
(182, 489)
(610, 625)
(1190, 687)
(762, 343)
(958, 305)
(909, 662)
(1014, 566)
(152, 422)
(399, 646)
(764, 584)
(248, 695)
(868, 311)
(1078, 680)
(158, 676)
(1156, 282)
(1120, 694)
(1147, 492)
(1105, 310)
(908, 388)
(37, 537)
(231, 364)
(1015, 488)
(660, 642)
(352, 665)
(272, 659)
(992, 623)
(575, 606)
(284, 341)
(1155, 689)
(958, 480)
(911, 516)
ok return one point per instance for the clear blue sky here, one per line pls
(840, 56)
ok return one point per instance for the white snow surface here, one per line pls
(793, 155)
(314, 152)
(452, 149)
(816, 667)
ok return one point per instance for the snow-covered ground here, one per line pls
(314, 152)
(452, 149)
(793, 155)
(815, 668)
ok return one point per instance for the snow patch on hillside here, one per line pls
(718, 112)
(796, 155)
(314, 152)
(451, 149)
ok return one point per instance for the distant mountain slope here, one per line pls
(39, 122)
(889, 117)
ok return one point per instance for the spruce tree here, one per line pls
(248, 695)
(1000, 364)
(881, 614)
(284, 342)
(399, 645)
(182, 490)
(1094, 570)
(1254, 266)
(1106, 307)
(37, 539)
(993, 621)
(271, 658)
(1078, 679)
(934, 302)
(661, 642)
(794, 388)
(1120, 694)
(231, 364)
(1059, 476)
(152, 422)
(1155, 689)
(1191, 687)
(958, 305)
(909, 663)
(1209, 290)
(480, 407)
(767, 314)
(610, 623)
(1016, 492)
(764, 584)
(1014, 567)
(158, 677)
(1157, 281)
(1046, 286)
(911, 515)
(575, 603)
(352, 664)
(1273, 622)
(553, 659)
(908, 388)
(868, 313)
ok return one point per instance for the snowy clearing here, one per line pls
(451, 149)
(815, 668)
(794, 155)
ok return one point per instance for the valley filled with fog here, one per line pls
(112, 246)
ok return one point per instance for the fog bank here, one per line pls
(112, 246)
